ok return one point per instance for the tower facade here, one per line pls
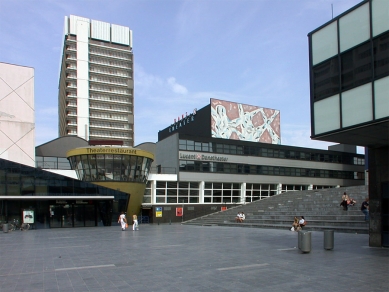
(96, 86)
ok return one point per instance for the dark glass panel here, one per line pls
(85, 165)
(197, 146)
(381, 56)
(161, 184)
(326, 79)
(189, 145)
(108, 167)
(172, 184)
(205, 147)
(173, 200)
(193, 200)
(100, 161)
(131, 168)
(356, 66)
(208, 185)
(194, 193)
(160, 200)
(218, 148)
(27, 185)
(118, 168)
(183, 185)
(182, 144)
(63, 163)
(226, 193)
(138, 173)
(217, 185)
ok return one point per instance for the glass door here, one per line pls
(61, 216)
(79, 218)
(90, 215)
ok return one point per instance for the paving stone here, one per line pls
(187, 258)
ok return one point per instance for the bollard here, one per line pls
(5, 227)
(304, 241)
(299, 235)
(328, 239)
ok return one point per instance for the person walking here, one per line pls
(135, 225)
(122, 220)
(365, 208)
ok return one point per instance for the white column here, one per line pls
(153, 192)
(201, 192)
(243, 193)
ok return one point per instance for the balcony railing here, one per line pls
(110, 99)
(108, 81)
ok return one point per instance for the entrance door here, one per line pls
(79, 217)
(61, 216)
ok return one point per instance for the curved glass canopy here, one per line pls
(99, 164)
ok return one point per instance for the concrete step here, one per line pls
(360, 230)
(320, 208)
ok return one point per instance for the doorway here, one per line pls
(73, 215)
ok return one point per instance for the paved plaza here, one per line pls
(187, 258)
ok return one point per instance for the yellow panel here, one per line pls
(136, 191)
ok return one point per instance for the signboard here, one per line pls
(224, 208)
(179, 212)
(28, 216)
(158, 211)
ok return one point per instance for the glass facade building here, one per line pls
(56, 200)
(349, 82)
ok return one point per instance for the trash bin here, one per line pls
(300, 234)
(5, 227)
(328, 239)
(304, 241)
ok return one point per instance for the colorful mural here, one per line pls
(231, 120)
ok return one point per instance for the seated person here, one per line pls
(302, 222)
(242, 217)
(238, 217)
(351, 202)
(295, 225)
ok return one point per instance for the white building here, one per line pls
(96, 86)
(17, 114)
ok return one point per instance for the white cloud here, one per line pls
(177, 88)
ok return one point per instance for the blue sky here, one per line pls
(185, 52)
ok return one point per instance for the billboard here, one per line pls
(237, 121)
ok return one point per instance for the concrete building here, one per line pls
(17, 114)
(96, 87)
(229, 153)
(349, 81)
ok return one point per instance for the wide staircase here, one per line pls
(320, 208)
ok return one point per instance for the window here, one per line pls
(381, 56)
(326, 79)
(356, 66)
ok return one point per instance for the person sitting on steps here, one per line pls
(296, 225)
(238, 217)
(344, 201)
(242, 217)
(302, 222)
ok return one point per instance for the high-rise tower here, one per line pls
(96, 86)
